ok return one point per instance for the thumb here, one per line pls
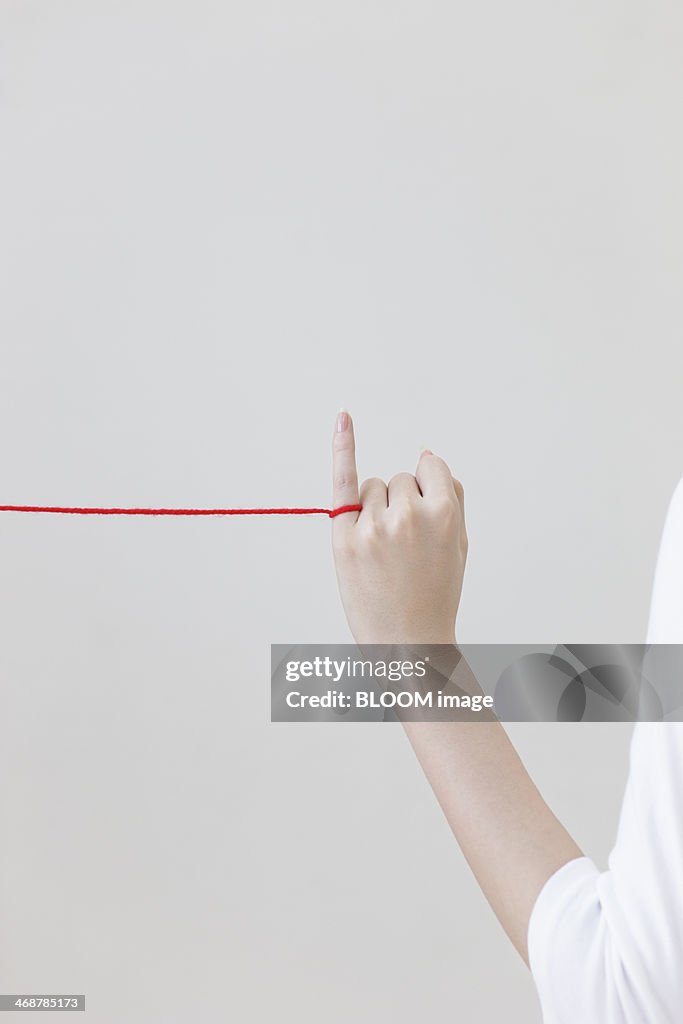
(344, 475)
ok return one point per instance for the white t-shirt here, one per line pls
(607, 947)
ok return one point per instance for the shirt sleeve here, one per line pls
(607, 947)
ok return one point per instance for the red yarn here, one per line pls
(331, 512)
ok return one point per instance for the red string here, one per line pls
(331, 512)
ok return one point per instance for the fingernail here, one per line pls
(342, 420)
(425, 451)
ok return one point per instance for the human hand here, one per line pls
(400, 560)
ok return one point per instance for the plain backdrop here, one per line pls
(220, 221)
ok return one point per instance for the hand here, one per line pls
(400, 560)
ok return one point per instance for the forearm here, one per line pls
(508, 834)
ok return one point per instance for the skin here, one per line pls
(400, 563)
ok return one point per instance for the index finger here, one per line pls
(344, 475)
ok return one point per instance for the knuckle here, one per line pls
(343, 479)
(405, 478)
(371, 484)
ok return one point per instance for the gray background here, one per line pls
(221, 221)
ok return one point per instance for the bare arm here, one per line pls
(508, 834)
(400, 565)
